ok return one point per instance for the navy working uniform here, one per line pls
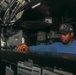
(58, 47)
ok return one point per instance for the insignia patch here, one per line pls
(62, 27)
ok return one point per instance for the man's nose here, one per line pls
(62, 35)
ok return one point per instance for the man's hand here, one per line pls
(67, 56)
(23, 48)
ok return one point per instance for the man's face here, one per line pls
(66, 38)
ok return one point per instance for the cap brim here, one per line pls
(63, 32)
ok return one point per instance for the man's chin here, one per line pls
(64, 43)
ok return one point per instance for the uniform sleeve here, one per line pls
(43, 49)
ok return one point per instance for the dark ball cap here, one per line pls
(65, 28)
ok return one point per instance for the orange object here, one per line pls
(23, 48)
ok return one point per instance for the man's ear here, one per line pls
(72, 34)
